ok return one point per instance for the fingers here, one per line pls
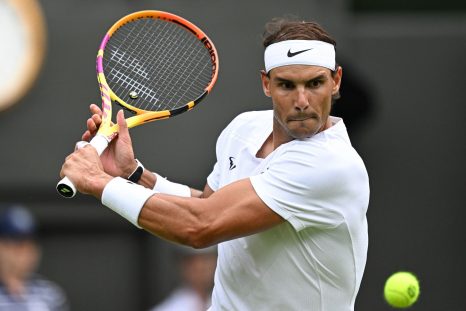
(86, 136)
(83, 167)
(95, 120)
(81, 144)
(123, 127)
(92, 128)
(93, 123)
(95, 109)
(123, 132)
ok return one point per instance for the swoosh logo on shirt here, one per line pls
(291, 54)
(232, 164)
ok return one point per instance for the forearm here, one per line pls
(233, 211)
(149, 180)
(176, 219)
(137, 173)
(128, 198)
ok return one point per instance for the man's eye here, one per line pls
(315, 83)
(286, 85)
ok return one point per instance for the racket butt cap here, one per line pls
(65, 188)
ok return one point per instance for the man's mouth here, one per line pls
(301, 118)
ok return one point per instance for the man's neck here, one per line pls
(267, 147)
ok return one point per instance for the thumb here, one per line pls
(123, 131)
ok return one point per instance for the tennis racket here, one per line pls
(154, 64)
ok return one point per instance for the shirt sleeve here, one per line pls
(213, 178)
(303, 188)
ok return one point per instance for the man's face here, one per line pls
(302, 99)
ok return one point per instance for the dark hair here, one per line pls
(291, 28)
(281, 29)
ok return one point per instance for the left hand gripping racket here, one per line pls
(154, 64)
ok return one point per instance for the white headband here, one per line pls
(299, 52)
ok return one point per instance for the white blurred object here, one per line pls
(22, 48)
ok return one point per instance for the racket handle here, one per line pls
(65, 187)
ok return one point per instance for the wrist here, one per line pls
(163, 185)
(97, 185)
(125, 198)
(136, 172)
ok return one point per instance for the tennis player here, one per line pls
(287, 198)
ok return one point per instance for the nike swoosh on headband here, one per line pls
(291, 54)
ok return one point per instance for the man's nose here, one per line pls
(302, 100)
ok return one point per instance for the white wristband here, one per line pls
(162, 185)
(125, 198)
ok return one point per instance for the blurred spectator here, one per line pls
(197, 267)
(21, 289)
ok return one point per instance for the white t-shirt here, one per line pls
(316, 258)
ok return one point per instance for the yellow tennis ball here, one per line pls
(401, 289)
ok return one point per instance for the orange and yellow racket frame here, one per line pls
(107, 128)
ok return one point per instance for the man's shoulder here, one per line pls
(318, 152)
(257, 116)
(250, 122)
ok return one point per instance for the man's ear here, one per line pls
(337, 80)
(265, 83)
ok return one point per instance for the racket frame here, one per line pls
(108, 130)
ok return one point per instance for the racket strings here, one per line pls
(122, 81)
(163, 63)
(187, 75)
(124, 68)
(167, 69)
